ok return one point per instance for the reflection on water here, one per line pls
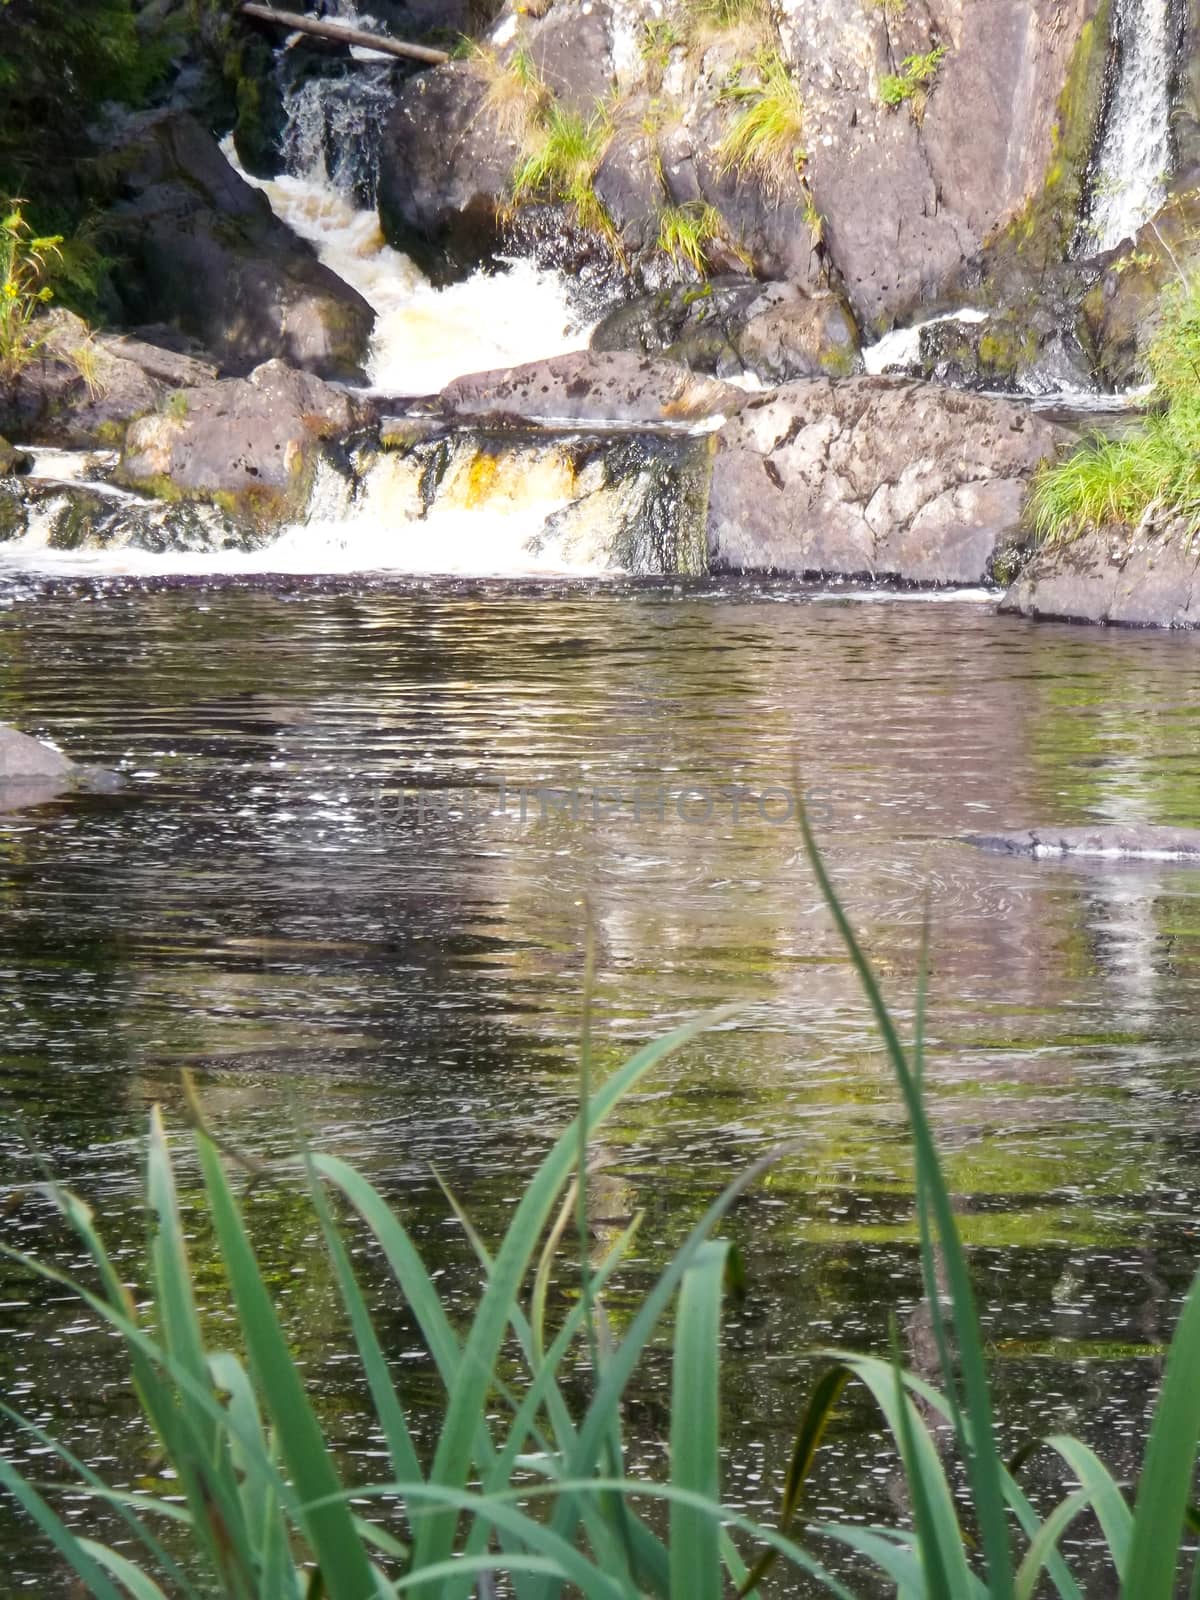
(406, 986)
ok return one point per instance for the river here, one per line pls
(269, 906)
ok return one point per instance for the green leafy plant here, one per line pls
(766, 139)
(918, 74)
(26, 263)
(1153, 471)
(659, 38)
(686, 231)
(561, 162)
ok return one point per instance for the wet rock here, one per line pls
(97, 516)
(776, 332)
(13, 462)
(206, 252)
(873, 477)
(592, 387)
(1121, 315)
(890, 205)
(1148, 578)
(444, 172)
(248, 445)
(1123, 842)
(32, 772)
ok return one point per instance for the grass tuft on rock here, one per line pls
(560, 163)
(766, 139)
(1152, 473)
(686, 231)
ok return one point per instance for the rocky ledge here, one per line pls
(1132, 842)
(1149, 578)
(876, 478)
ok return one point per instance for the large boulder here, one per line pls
(250, 446)
(875, 478)
(1147, 578)
(207, 254)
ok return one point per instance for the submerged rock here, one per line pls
(1147, 579)
(1120, 842)
(206, 252)
(248, 445)
(32, 772)
(876, 478)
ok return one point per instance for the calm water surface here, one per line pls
(268, 907)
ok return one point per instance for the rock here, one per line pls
(731, 326)
(444, 172)
(206, 252)
(83, 387)
(13, 462)
(1121, 842)
(592, 387)
(873, 477)
(32, 773)
(1122, 313)
(1149, 579)
(889, 205)
(248, 445)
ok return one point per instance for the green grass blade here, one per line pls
(389, 1413)
(139, 1584)
(260, 1501)
(1046, 1540)
(984, 1463)
(330, 1528)
(81, 1562)
(468, 1397)
(1166, 1483)
(1107, 1501)
(695, 1426)
(813, 1424)
(939, 1543)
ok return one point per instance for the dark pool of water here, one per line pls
(404, 986)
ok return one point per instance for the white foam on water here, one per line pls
(901, 349)
(425, 337)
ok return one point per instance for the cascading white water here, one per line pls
(1129, 182)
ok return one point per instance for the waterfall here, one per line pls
(1133, 162)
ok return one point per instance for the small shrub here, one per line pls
(658, 40)
(765, 140)
(26, 264)
(685, 231)
(918, 74)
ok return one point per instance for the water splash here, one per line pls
(1129, 180)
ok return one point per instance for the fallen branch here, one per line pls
(342, 33)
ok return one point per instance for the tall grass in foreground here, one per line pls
(1154, 470)
(522, 1484)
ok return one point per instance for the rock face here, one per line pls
(587, 387)
(888, 203)
(1149, 579)
(873, 477)
(1119, 843)
(207, 254)
(248, 445)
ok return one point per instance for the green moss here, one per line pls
(840, 363)
(1006, 351)
(1043, 230)
(12, 515)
